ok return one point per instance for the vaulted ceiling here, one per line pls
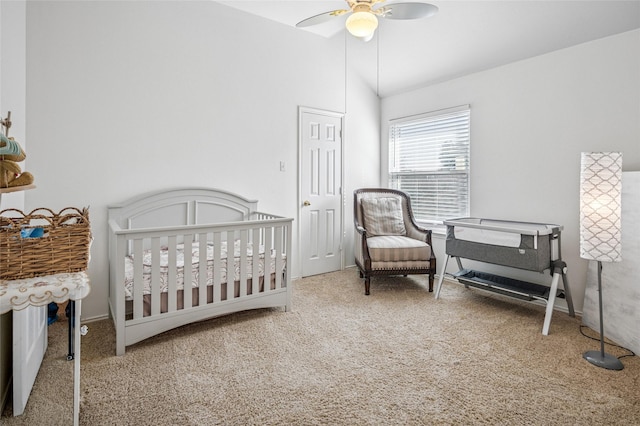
(463, 37)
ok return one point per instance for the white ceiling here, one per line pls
(462, 38)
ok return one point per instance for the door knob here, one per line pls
(306, 203)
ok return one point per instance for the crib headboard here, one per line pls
(181, 206)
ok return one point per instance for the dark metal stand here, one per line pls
(71, 318)
(600, 358)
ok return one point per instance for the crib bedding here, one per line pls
(195, 266)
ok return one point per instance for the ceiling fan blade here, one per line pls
(321, 18)
(407, 10)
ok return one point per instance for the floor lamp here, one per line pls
(600, 227)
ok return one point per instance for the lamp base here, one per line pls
(603, 360)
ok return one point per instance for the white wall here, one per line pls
(12, 98)
(12, 82)
(529, 122)
(129, 97)
(362, 132)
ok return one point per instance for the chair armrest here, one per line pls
(419, 233)
(361, 248)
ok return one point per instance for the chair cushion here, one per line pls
(396, 248)
(383, 216)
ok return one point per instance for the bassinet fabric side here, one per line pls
(523, 257)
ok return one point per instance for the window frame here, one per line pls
(464, 211)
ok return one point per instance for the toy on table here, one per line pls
(11, 175)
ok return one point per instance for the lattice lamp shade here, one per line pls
(600, 206)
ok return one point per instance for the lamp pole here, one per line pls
(600, 358)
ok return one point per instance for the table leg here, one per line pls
(76, 366)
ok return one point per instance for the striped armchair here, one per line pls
(388, 241)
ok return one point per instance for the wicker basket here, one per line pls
(43, 242)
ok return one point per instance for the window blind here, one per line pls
(429, 159)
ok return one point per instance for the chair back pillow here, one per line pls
(383, 216)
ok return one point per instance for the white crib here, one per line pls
(153, 238)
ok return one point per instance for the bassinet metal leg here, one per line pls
(560, 267)
(550, 303)
(460, 268)
(459, 263)
(567, 294)
(444, 270)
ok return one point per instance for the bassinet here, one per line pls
(521, 245)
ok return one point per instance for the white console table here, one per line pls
(40, 291)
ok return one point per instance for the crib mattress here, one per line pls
(195, 266)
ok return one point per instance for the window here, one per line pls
(429, 160)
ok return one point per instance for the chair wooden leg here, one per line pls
(367, 285)
(431, 282)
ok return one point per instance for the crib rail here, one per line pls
(271, 232)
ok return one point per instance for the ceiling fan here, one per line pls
(363, 19)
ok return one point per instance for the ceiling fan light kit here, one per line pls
(362, 24)
(363, 19)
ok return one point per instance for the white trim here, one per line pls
(429, 114)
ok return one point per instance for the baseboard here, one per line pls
(96, 318)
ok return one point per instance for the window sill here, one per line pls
(436, 230)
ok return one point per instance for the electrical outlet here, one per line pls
(282, 166)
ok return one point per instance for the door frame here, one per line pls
(334, 114)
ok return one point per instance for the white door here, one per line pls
(320, 191)
(29, 346)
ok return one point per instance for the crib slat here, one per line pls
(155, 276)
(138, 284)
(255, 263)
(242, 262)
(172, 294)
(231, 269)
(217, 267)
(268, 245)
(186, 270)
(279, 249)
(116, 287)
(202, 270)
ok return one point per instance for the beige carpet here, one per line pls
(397, 357)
